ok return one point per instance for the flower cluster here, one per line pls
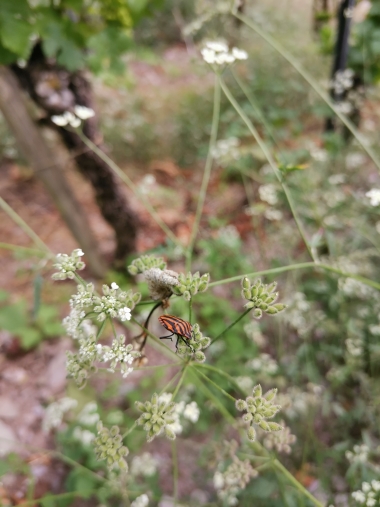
(263, 363)
(369, 495)
(281, 440)
(81, 365)
(218, 53)
(144, 464)
(74, 120)
(194, 346)
(233, 480)
(115, 303)
(161, 282)
(226, 150)
(67, 265)
(55, 411)
(108, 445)
(259, 408)
(157, 416)
(120, 353)
(141, 501)
(373, 196)
(146, 262)
(189, 285)
(268, 193)
(343, 80)
(261, 297)
(359, 454)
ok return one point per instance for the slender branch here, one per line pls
(222, 373)
(214, 384)
(182, 377)
(231, 325)
(16, 248)
(206, 174)
(116, 169)
(270, 159)
(311, 81)
(301, 265)
(24, 226)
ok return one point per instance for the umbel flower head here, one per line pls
(109, 446)
(157, 416)
(194, 346)
(261, 297)
(258, 409)
(217, 53)
(67, 265)
(146, 262)
(115, 303)
(161, 282)
(189, 285)
(281, 440)
(369, 495)
(120, 353)
(233, 480)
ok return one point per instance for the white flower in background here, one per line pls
(226, 150)
(144, 464)
(337, 179)
(66, 118)
(245, 383)
(67, 265)
(343, 80)
(229, 236)
(83, 112)
(369, 495)
(344, 107)
(318, 154)
(359, 454)
(82, 435)
(191, 412)
(218, 53)
(374, 196)
(355, 160)
(89, 415)
(141, 501)
(114, 286)
(263, 363)
(55, 411)
(268, 193)
(354, 346)
(273, 214)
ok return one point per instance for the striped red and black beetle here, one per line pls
(182, 329)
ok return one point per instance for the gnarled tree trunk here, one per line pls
(56, 90)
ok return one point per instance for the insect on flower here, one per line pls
(180, 328)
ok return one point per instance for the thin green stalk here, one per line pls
(222, 409)
(222, 373)
(24, 226)
(311, 81)
(16, 248)
(175, 471)
(100, 330)
(214, 384)
(270, 159)
(116, 169)
(280, 467)
(113, 328)
(231, 325)
(301, 265)
(206, 174)
(52, 498)
(254, 105)
(181, 379)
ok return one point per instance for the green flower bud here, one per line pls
(169, 433)
(251, 433)
(241, 405)
(257, 314)
(257, 391)
(274, 426)
(246, 294)
(245, 283)
(264, 425)
(279, 307)
(247, 417)
(249, 305)
(199, 356)
(271, 310)
(271, 394)
(254, 291)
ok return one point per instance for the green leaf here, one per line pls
(29, 337)
(6, 56)
(106, 48)
(14, 317)
(15, 36)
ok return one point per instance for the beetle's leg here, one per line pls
(176, 343)
(167, 337)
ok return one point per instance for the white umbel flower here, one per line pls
(83, 112)
(374, 196)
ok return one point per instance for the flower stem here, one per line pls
(214, 384)
(206, 174)
(270, 159)
(24, 226)
(175, 471)
(231, 325)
